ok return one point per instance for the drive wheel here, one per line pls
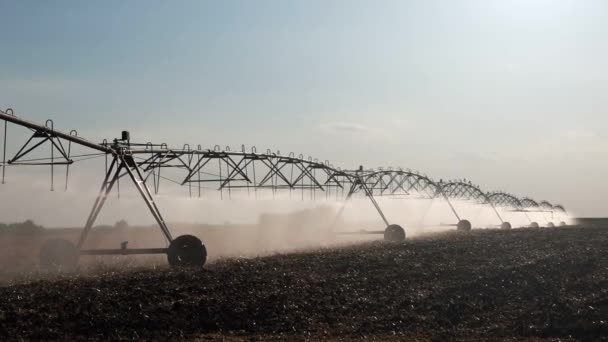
(463, 226)
(187, 250)
(394, 233)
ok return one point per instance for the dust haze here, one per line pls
(231, 224)
(241, 226)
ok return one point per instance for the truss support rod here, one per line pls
(353, 189)
(100, 201)
(450, 204)
(496, 211)
(67, 168)
(11, 118)
(137, 179)
(4, 153)
(544, 216)
(428, 208)
(120, 162)
(528, 216)
(52, 163)
(339, 213)
(374, 202)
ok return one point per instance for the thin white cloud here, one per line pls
(345, 127)
(354, 129)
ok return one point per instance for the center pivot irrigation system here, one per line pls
(230, 171)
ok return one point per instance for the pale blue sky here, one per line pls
(507, 93)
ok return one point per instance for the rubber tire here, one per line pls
(562, 224)
(550, 225)
(394, 233)
(534, 225)
(505, 225)
(463, 226)
(187, 250)
(58, 255)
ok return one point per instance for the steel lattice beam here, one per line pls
(231, 170)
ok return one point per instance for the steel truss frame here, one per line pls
(464, 191)
(242, 170)
(509, 202)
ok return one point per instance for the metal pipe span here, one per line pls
(11, 118)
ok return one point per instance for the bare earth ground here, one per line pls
(488, 284)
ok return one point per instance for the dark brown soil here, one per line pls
(492, 284)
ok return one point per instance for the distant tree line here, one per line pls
(27, 226)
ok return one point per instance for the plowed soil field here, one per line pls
(487, 284)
